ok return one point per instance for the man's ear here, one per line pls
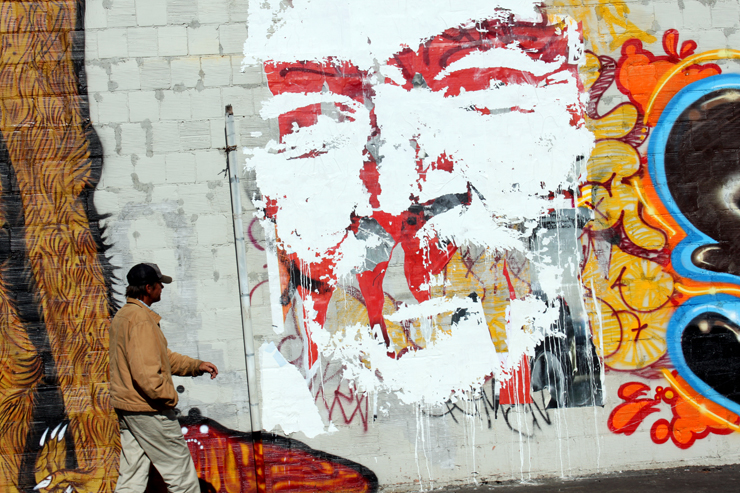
(150, 288)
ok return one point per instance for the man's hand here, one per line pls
(207, 367)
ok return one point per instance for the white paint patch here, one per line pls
(316, 195)
(286, 401)
(528, 321)
(453, 365)
(472, 225)
(361, 31)
(550, 277)
(512, 158)
(273, 272)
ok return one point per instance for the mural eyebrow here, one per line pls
(285, 71)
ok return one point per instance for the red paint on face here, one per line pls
(518, 388)
(369, 175)
(539, 41)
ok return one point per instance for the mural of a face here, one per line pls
(445, 152)
(416, 151)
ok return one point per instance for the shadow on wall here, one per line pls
(225, 461)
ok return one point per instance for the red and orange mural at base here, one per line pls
(228, 461)
(693, 417)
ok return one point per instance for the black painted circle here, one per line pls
(702, 159)
(711, 349)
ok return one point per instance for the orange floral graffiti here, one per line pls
(640, 71)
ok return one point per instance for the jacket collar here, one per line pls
(150, 312)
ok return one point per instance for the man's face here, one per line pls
(155, 291)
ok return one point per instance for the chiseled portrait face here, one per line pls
(457, 142)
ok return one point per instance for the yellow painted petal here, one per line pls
(641, 234)
(615, 124)
(608, 207)
(590, 70)
(601, 284)
(643, 339)
(605, 327)
(644, 285)
(612, 157)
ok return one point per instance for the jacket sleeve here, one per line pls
(145, 363)
(184, 366)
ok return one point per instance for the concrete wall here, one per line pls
(159, 76)
(446, 286)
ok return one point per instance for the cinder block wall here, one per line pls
(156, 77)
(159, 76)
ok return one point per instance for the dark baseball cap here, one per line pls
(143, 274)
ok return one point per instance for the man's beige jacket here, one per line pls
(141, 365)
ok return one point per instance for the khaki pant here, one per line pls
(154, 438)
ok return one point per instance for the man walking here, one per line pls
(142, 392)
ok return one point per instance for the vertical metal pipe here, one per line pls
(240, 245)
